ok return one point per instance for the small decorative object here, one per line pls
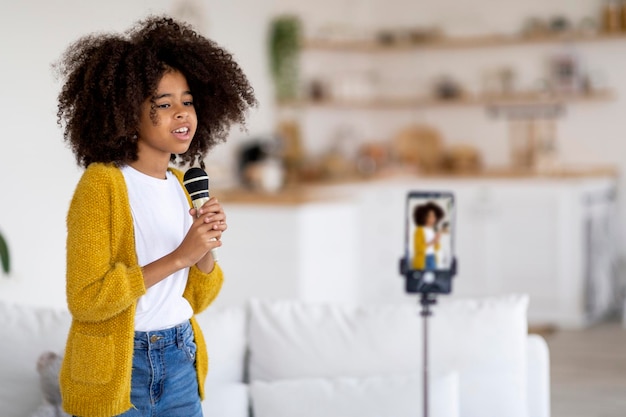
(533, 145)
(499, 82)
(260, 167)
(560, 25)
(448, 89)
(546, 153)
(318, 90)
(534, 27)
(267, 175)
(48, 366)
(522, 145)
(386, 37)
(565, 73)
(424, 35)
(399, 36)
(611, 21)
(371, 158)
(291, 150)
(5, 258)
(420, 146)
(462, 159)
(284, 48)
(507, 78)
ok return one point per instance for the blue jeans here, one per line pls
(164, 379)
(431, 262)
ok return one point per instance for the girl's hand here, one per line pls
(214, 216)
(205, 234)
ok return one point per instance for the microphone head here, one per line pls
(196, 182)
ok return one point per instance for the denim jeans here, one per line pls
(431, 262)
(164, 379)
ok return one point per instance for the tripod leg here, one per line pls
(425, 365)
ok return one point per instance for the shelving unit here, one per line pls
(486, 41)
(452, 43)
(529, 98)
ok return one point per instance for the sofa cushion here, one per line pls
(225, 332)
(484, 340)
(226, 400)
(27, 332)
(377, 396)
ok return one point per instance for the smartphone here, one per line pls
(429, 261)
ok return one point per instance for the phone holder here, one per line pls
(427, 282)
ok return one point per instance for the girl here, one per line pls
(138, 258)
(426, 238)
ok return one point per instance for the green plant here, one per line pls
(284, 48)
(4, 255)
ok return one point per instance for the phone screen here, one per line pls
(430, 231)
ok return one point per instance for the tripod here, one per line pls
(428, 285)
(426, 300)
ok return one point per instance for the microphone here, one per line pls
(196, 181)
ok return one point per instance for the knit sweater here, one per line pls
(104, 282)
(419, 248)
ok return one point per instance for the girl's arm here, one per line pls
(103, 278)
(194, 250)
(205, 277)
(203, 288)
(434, 242)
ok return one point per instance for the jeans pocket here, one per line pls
(189, 346)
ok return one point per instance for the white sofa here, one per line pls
(286, 358)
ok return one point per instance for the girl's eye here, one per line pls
(188, 103)
(162, 106)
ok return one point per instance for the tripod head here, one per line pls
(427, 282)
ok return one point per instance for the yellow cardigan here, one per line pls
(419, 248)
(104, 282)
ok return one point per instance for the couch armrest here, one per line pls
(538, 377)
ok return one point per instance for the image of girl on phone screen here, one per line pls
(426, 237)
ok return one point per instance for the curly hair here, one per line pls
(421, 213)
(107, 77)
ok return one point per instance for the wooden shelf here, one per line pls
(486, 41)
(410, 103)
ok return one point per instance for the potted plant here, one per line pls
(284, 49)
(5, 260)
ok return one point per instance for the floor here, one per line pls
(588, 371)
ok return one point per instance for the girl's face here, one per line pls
(176, 120)
(431, 218)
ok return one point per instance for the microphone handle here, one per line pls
(197, 203)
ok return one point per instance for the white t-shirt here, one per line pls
(429, 237)
(161, 220)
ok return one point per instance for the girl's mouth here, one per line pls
(181, 133)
